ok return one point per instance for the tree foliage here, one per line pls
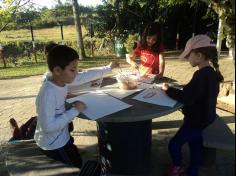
(176, 16)
(9, 9)
(225, 10)
(125, 17)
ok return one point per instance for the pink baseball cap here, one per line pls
(199, 41)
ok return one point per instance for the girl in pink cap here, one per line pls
(199, 97)
(150, 52)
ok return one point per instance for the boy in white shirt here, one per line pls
(52, 134)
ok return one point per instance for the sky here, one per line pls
(50, 3)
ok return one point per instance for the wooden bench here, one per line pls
(25, 158)
(217, 138)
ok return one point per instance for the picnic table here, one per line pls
(125, 137)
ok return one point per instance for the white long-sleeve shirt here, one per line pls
(52, 123)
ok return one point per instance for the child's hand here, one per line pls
(96, 83)
(80, 106)
(165, 86)
(134, 65)
(158, 76)
(114, 65)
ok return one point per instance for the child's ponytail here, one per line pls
(215, 64)
(214, 61)
(211, 53)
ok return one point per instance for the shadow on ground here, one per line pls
(24, 158)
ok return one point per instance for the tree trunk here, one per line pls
(233, 4)
(118, 25)
(227, 14)
(219, 37)
(78, 29)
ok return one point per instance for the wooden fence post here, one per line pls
(2, 57)
(91, 38)
(33, 44)
(62, 35)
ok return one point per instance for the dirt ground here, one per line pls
(17, 99)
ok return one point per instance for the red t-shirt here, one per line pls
(149, 60)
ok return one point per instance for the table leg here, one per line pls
(125, 148)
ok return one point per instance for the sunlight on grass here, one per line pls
(47, 34)
(30, 69)
(39, 34)
(26, 70)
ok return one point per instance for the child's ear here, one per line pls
(199, 55)
(57, 70)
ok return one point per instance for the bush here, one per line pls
(130, 42)
(19, 52)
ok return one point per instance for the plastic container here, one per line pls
(119, 47)
(127, 82)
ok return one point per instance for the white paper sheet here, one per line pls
(99, 104)
(155, 96)
(116, 92)
(148, 79)
(120, 94)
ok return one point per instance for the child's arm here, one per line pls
(192, 91)
(161, 65)
(131, 60)
(93, 74)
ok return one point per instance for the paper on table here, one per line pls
(148, 79)
(155, 96)
(99, 104)
(120, 94)
(116, 92)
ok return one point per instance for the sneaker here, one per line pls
(175, 171)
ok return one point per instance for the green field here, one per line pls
(26, 67)
(29, 69)
(47, 34)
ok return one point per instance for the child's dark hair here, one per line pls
(211, 53)
(49, 46)
(151, 30)
(61, 56)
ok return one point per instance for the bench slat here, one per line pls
(25, 158)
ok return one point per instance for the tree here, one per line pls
(116, 5)
(78, 29)
(226, 13)
(9, 9)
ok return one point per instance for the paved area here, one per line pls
(17, 98)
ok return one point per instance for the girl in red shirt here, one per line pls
(150, 52)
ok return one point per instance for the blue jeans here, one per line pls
(192, 136)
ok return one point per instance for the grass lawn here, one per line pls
(47, 34)
(23, 70)
(29, 69)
